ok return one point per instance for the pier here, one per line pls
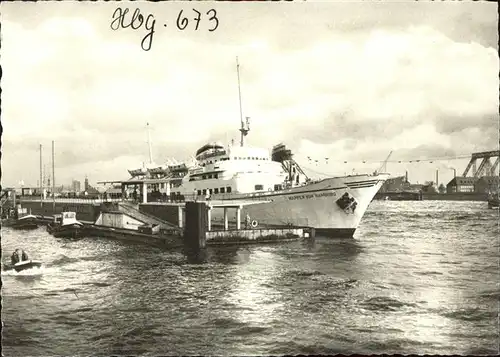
(198, 228)
(187, 224)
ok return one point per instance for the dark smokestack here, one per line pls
(437, 178)
(406, 176)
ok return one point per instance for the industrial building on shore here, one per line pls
(484, 184)
(459, 184)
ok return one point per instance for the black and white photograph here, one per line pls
(249, 178)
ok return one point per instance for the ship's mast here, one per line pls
(244, 128)
(53, 178)
(149, 145)
(41, 177)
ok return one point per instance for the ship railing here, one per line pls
(138, 199)
(215, 197)
(70, 199)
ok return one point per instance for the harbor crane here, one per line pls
(383, 167)
(485, 168)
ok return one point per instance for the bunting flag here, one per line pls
(424, 160)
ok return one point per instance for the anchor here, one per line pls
(347, 203)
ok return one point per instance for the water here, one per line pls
(420, 277)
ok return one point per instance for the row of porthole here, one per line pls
(215, 176)
(215, 190)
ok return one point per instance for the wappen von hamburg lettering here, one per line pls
(191, 19)
(309, 196)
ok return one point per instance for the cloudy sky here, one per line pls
(348, 81)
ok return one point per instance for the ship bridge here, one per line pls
(248, 152)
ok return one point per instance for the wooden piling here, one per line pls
(196, 226)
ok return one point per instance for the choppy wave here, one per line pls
(384, 304)
(470, 314)
(419, 278)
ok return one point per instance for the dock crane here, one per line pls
(383, 167)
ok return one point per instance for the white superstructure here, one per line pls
(233, 170)
(286, 196)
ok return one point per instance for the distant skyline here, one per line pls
(348, 81)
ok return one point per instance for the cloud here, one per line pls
(396, 81)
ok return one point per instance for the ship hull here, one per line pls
(314, 205)
(24, 265)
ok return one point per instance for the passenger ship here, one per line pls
(279, 191)
(273, 188)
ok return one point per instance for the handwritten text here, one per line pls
(122, 19)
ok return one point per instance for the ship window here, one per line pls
(216, 176)
(209, 176)
(259, 187)
(210, 191)
(204, 191)
(277, 187)
(228, 189)
(216, 190)
(235, 158)
(222, 189)
(203, 177)
(199, 192)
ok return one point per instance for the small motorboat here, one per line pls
(24, 265)
(21, 219)
(493, 203)
(20, 261)
(26, 222)
(493, 199)
(65, 225)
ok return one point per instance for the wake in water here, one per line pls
(37, 271)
